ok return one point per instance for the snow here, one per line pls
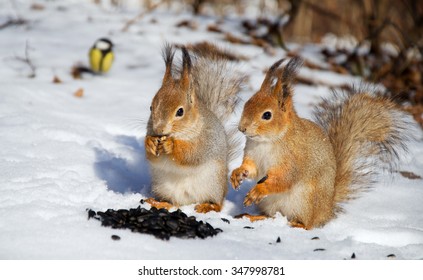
(61, 154)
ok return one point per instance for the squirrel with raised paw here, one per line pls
(307, 169)
(186, 144)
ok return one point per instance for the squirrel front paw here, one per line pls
(152, 145)
(238, 175)
(158, 145)
(256, 194)
(166, 145)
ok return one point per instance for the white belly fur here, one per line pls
(263, 155)
(186, 185)
(266, 155)
(285, 203)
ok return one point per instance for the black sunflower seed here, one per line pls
(262, 179)
(218, 230)
(91, 214)
(115, 237)
(172, 224)
(158, 222)
(225, 220)
(319, 249)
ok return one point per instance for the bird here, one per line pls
(101, 56)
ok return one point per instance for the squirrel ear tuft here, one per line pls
(186, 72)
(186, 61)
(290, 71)
(168, 53)
(285, 80)
(270, 75)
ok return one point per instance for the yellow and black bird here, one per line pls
(101, 56)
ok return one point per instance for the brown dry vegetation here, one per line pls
(373, 23)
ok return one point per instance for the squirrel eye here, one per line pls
(266, 115)
(180, 112)
(151, 108)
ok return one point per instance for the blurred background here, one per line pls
(382, 40)
(396, 21)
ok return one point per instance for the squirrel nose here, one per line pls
(242, 129)
(159, 129)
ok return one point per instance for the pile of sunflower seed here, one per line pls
(159, 222)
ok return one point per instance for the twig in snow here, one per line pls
(27, 60)
(10, 22)
(140, 16)
(18, 20)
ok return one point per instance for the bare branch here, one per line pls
(11, 22)
(27, 60)
(140, 16)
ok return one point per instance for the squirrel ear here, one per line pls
(282, 91)
(168, 53)
(267, 82)
(285, 80)
(290, 71)
(186, 72)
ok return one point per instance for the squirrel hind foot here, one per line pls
(207, 207)
(159, 204)
(297, 224)
(252, 218)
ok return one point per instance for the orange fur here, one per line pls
(279, 180)
(186, 143)
(151, 143)
(248, 169)
(207, 207)
(311, 168)
(184, 152)
(159, 204)
(296, 224)
(252, 218)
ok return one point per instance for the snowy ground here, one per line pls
(61, 154)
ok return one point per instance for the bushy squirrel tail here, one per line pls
(217, 82)
(368, 134)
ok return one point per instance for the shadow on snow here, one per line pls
(125, 170)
